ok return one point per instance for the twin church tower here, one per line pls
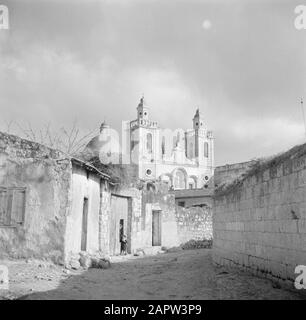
(182, 159)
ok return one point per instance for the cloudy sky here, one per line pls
(242, 62)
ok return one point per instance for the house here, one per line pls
(50, 204)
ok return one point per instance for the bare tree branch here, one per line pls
(69, 140)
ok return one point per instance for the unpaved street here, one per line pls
(179, 275)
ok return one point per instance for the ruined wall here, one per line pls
(46, 176)
(159, 199)
(179, 225)
(194, 223)
(260, 223)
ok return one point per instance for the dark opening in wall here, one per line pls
(181, 204)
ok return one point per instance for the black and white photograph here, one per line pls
(153, 150)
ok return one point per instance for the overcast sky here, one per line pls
(241, 62)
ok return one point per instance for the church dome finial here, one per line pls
(142, 101)
(103, 126)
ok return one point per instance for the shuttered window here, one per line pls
(12, 206)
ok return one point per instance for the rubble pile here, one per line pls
(86, 260)
(197, 244)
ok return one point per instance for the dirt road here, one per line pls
(179, 275)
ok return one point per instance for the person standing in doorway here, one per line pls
(123, 242)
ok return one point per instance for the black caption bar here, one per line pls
(180, 309)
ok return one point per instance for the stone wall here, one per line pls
(179, 225)
(260, 222)
(194, 223)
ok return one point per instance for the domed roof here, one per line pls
(103, 126)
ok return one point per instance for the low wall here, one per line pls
(179, 225)
(194, 223)
(260, 222)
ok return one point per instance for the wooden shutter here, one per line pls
(12, 206)
(9, 205)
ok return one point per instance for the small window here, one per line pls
(181, 204)
(190, 185)
(12, 206)
(206, 178)
(148, 172)
(145, 113)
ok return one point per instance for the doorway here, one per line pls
(119, 224)
(156, 228)
(84, 225)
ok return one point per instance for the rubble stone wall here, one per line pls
(194, 223)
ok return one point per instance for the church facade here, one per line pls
(184, 159)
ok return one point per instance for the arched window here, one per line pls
(149, 142)
(206, 149)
